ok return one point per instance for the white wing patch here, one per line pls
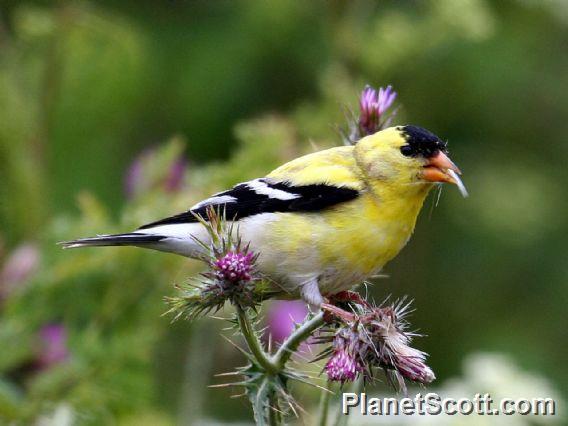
(217, 199)
(265, 196)
(260, 187)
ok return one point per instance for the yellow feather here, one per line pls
(353, 240)
(334, 166)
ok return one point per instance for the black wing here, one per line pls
(263, 196)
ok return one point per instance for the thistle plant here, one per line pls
(365, 338)
(230, 275)
(355, 338)
(359, 338)
(374, 115)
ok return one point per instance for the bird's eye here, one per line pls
(406, 150)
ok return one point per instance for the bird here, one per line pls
(321, 223)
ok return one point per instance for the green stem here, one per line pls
(274, 365)
(274, 416)
(198, 365)
(254, 344)
(293, 341)
(324, 407)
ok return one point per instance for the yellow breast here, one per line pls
(369, 233)
(346, 244)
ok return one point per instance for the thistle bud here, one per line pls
(370, 338)
(407, 361)
(344, 363)
(342, 367)
(234, 266)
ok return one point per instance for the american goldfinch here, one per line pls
(323, 222)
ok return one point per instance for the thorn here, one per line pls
(293, 409)
(238, 395)
(323, 388)
(243, 351)
(226, 385)
(303, 357)
(277, 410)
(231, 373)
(218, 318)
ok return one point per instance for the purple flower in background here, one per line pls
(234, 266)
(282, 317)
(176, 175)
(373, 106)
(133, 177)
(53, 349)
(140, 176)
(19, 266)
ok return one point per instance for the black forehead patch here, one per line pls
(421, 142)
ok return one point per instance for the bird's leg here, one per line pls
(332, 312)
(310, 292)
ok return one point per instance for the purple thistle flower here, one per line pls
(231, 275)
(385, 99)
(368, 118)
(342, 367)
(234, 266)
(406, 360)
(373, 337)
(373, 106)
(53, 345)
(344, 363)
(283, 317)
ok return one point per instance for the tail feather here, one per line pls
(130, 239)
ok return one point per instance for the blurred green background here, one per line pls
(115, 113)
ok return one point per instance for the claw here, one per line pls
(331, 311)
(348, 296)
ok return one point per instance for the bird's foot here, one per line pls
(348, 296)
(331, 313)
(337, 306)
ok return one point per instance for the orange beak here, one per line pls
(437, 167)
